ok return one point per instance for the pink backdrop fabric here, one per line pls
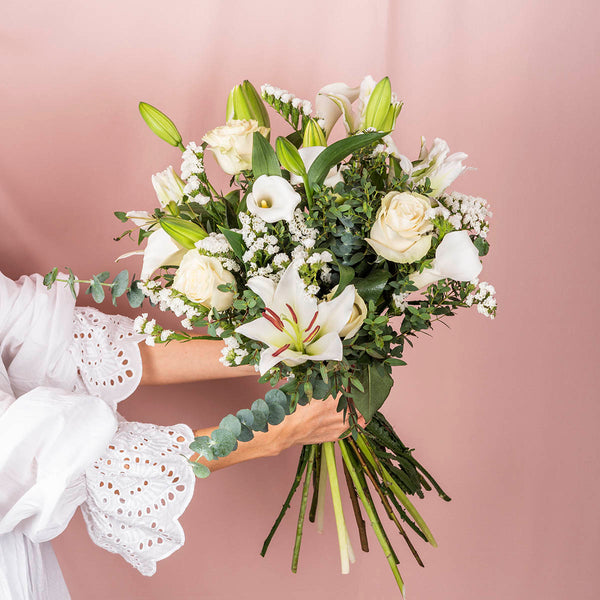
(505, 413)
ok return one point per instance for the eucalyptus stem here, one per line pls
(329, 452)
(300, 470)
(89, 281)
(372, 514)
(299, 528)
(360, 522)
(395, 488)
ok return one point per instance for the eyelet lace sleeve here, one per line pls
(138, 490)
(105, 349)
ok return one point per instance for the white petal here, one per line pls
(327, 347)
(141, 218)
(425, 278)
(281, 197)
(263, 287)
(160, 250)
(128, 254)
(262, 330)
(457, 257)
(334, 315)
(328, 110)
(291, 290)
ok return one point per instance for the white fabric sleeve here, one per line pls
(48, 434)
(143, 483)
(138, 490)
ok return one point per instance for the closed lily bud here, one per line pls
(314, 135)
(245, 103)
(289, 157)
(168, 187)
(185, 233)
(160, 124)
(381, 110)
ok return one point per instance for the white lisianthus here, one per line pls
(168, 187)
(357, 317)
(272, 199)
(232, 144)
(308, 156)
(439, 165)
(294, 326)
(199, 277)
(455, 258)
(401, 229)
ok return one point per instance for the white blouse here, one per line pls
(63, 372)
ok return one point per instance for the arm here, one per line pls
(196, 360)
(314, 423)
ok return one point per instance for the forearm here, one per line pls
(178, 362)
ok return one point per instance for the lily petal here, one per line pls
(263, 287)
(160, 250)
(327, 109)
(334, 315)
(328, 347)
(262, 330)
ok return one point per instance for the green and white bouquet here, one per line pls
(318, 265)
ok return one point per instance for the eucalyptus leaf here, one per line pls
(246, 417)
(232, 424)
(276, 413)
(200, 471)
(135, 296)
(97, 290)
(224, 442)
(50, 277)
(120, 284)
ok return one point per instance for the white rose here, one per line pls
(400, 231)
(358, 315)
(232, 144)
(199, 277)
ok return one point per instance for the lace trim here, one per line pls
(138, 490)
(105, 350)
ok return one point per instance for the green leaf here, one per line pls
(346, 276)
(121, 216)
(245, 434)
(377, 384)
(235, 241)
(200, 471)
(276, 395)
(260, 412)
(335, 153)
(232, 424)
(102, 277)
(264, 159)
(135, 296)
(224, 442)
(372, 286)
(119, 285)
(482, 246)
(97, 290)
(276, 413)
(50, 278)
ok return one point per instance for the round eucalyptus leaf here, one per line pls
(224, 442)
(200, 471)
(232, 424)
(245, 434)
(246, 417)
(276, 413)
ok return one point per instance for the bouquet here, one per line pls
(318, 265)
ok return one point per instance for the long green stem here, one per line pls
(372, 514)
(329, 452)
(300, 527)
(316, 485)
(321, 496)
(395, 488)
(301, 466)
(308, 190)
(360, 522)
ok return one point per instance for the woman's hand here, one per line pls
(314, 423)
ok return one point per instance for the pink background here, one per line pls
(505, 413)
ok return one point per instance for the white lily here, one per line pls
(294, 326)
(168, 187)
(308, 156)
(141, 218)
(439, 165)
(455, 258)
(272, 199)
(332, 100)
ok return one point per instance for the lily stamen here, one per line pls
(273, 318)
(312, 322)
(280, 350)
(311, 335)
(293, 313)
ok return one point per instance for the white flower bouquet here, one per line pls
(318, 265)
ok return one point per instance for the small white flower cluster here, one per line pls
(232, 353)
(399, 301)
(257, 240)
(170, 299)
(153, 332)
(484, 296)
(300, 232)
(464, 212)
(216, 244)
(192, 165)
(269, 92)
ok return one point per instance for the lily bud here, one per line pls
(168, 187)
(185, 233)
(160, 124)
(313, 135)
(289, 157)
(245, 103)
(381, 110)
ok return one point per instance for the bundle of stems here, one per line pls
(373, 458)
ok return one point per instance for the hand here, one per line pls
(314, 423)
